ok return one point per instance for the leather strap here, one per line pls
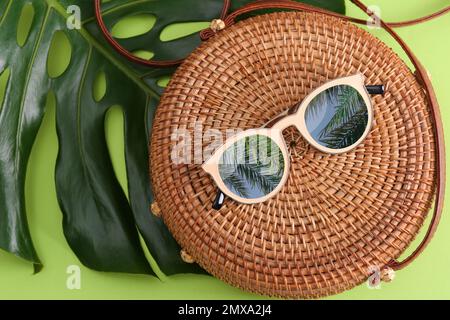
(421, 75)
(206, 34)
(418, 20)
(294, 5)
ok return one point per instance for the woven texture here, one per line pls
(338, 216)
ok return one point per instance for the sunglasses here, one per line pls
(253, 165)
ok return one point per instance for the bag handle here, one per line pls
(421, 74)
(217, 25)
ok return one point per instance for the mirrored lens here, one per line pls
(252, 167)
(337, 117)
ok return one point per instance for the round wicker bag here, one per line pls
(339, 216)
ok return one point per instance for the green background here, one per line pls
(427, 278)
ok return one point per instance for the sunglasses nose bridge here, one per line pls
(287, 121)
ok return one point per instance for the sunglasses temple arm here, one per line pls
(375, 89)
(219, 200)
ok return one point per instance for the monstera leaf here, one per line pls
(101, 223)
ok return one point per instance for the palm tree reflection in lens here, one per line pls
(337, 117)
(252, 167)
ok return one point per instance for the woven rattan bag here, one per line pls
(340, 218)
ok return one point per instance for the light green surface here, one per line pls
(426, 278)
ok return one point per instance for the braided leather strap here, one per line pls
(127, 54)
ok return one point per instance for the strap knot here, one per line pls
(186, 257)
(155, 209)
(217, 25)
(387, 274)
